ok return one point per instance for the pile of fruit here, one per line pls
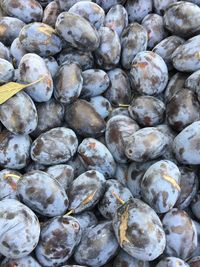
(99, 133)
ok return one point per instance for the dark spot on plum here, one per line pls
(91, 174)
(66, 202)
(5, 244)
(10, 215)
(30, 190)
(17, 252)
(38, 147)
(16, 146)
(50, 200)
(72, 139)
(181, 151)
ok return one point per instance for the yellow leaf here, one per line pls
(10, 89)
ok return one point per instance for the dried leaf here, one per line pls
(69, 213)
(10, 89)
(88, 198)
(84, 202)
(172, 181)
(123, 106)
(123, 227)
(118, 198)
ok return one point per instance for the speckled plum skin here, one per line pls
(108, 52)
(63, 173)
(158, 190)
(14, 150)
(6, 71)
(86, 219)
(51, 13)
(58, 240)
(19, 114)
(84, 120)
(72, 55)
(52, 65)
(182, 110)
(5, 52)
(189, 185)
(55, 146)
(119, 130)
(154, 25)
(46, 198)
(146, 144)
(50, 115)
(172, 262)
(186, 58)
(194, 262)
(124, 258)
(20, 229)
(193, 82)
(17, 51)
(31, 68)
(175, 84)
(119, 90)
(147, 110)
(180, 233)
(116, 19)
(137, 10)
(109, 204)
(89, 183)
(96, 156)
(182, 18)
(10, 29)
(90, 11)
(77, 31)
(103, 245)
(134, 39)
(166, 47)
(26, 10)
(40, 38)
(135, 173)
(149, 73)
(186, 144)
(195, 204)
(22, 262)
(101, 105)
(106, 5)
(95, 82)
(161, 5)
(66, 5)
(68, 83)
(135, 237)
